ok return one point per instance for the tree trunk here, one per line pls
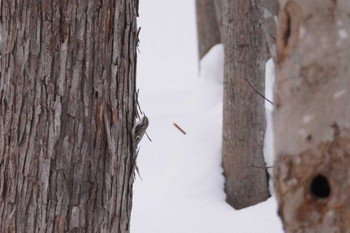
(207, 26)
(244, 111)
(218, 12)
(67, 108)
(312, 130)
(270, 12)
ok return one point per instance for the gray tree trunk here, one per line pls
(207, 26)
(218, 12)
(67, 108)
(270, 12)
(244, 111)
(312, 116)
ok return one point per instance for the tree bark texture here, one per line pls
(244, 111)
(67, 108)
(312, 116)
(207, 26)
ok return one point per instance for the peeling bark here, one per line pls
(67, 107)
(311, 119)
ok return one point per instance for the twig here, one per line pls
(148, 137)
(178, 127)
(251, 85)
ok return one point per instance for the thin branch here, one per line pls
(251, 85)
(179, 128)
(148, 137)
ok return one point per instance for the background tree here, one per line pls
(208, 29)
(270, 14)
(244, 110)
(311, 122)
(240, 26)
(67, 109)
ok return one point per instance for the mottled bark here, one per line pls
(207, 26)
(244, 112)
(67, 108)
(312, 116)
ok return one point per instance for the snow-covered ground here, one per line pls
(181, 190)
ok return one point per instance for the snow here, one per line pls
(268, 141)
(181, 190)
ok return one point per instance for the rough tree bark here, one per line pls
(207, 26)
(244, 111)
(312, 116)
(67, 108)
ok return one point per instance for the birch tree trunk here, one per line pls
(67, 108)
(244, 110)
(312, 116)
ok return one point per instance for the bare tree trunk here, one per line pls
(270, 12)
(218, 12)
(244, 112)
(67, 109)
(312, 130)
(207, 26)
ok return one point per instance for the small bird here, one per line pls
(137, 132)
(139, 129)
